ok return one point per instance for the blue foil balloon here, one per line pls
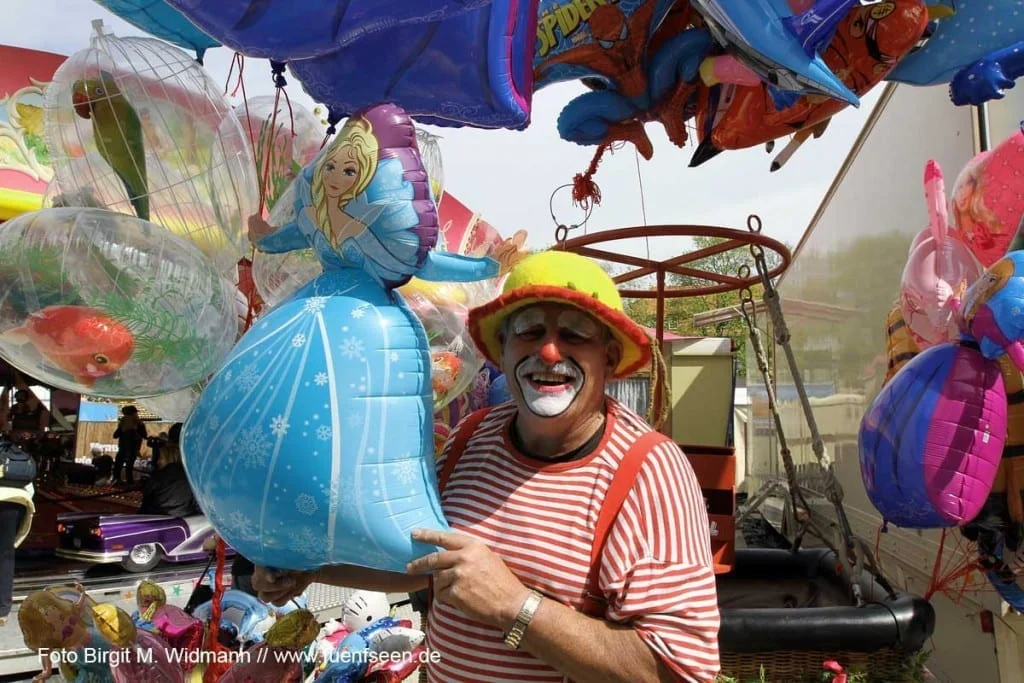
(158, 18)
(974, 31)
(446, 62)
(313, 444)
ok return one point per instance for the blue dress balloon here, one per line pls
(313, 443)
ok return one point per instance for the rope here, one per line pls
(854, 553)
(833, 489)
(658, 388)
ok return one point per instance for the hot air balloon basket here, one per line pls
(890, 665)
(790, 617)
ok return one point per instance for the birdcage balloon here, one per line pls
(137, 126)
(101, 303)
(285, 138)
(430, 152)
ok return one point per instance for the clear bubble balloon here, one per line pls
(284, 143)
(430, 152)
(278, 276)
(443, 307)
(137, 126)
(175, 406)
(100, 303)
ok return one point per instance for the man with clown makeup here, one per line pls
(580, 547)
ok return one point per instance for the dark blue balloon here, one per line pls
(987, 78)
(163, 21)
(446, 62)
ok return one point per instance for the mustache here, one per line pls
(532, 364)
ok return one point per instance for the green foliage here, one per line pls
(863, 275)
(679, 312)
(160, 335)
(49, 280)
(37, 144)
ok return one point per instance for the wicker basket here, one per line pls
(888, 665)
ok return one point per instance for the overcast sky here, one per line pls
(509, 176)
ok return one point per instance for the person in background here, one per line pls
(26, 415)
(168, 491)
(16, 512)
(104, 466)
(130, 434)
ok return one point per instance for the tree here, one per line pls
(679, 312)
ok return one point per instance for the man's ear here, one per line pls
(614, 355)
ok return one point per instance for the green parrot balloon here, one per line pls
(118, 133)
(135, 125)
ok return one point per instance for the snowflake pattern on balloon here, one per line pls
(320, 379)
(323, 432)
(352, 347)
(306, 504)
(249, 378)
(252, 448)
(237, 524)
(359, 311)
(309, 543)
(299, 340)
(355, 420)
(279, 425)
(314, 304)
(406, 471)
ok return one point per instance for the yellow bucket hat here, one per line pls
(566, 278)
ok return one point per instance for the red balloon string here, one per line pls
(220, 663)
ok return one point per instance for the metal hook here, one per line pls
(562, 230)
(754, 223)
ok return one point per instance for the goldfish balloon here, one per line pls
(312, 445)
(135, 125)
(102, 303)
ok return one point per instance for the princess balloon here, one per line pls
(312, 445)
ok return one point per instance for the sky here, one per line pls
(508, 176)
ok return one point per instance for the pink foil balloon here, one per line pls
(988, 199)
(936, 268)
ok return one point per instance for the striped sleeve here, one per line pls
(657, 571)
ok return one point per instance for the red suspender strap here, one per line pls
(594, 603)
(462, 437)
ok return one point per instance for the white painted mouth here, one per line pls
(548, 391)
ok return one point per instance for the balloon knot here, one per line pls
(277, 70)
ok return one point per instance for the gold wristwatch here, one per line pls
(514, 637)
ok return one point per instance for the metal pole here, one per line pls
(984, 133)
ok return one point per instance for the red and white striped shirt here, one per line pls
(656, 570)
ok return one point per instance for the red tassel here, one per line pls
(219, 664)
(585, 191)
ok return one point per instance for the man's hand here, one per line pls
(470, 577)
(258, 228)
(278, 588)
